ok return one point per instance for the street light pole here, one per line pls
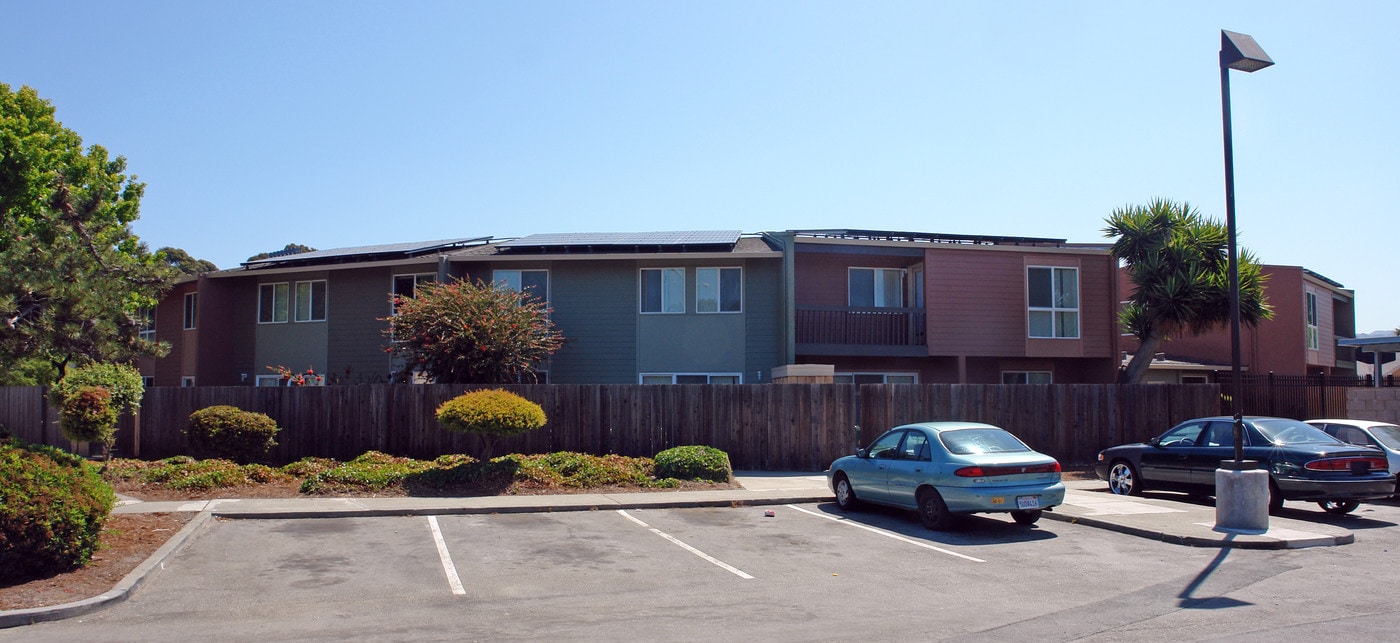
(1241, 488)
(1237, 51)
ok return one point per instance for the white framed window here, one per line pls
(191, 309)
(146, 323)
(187, 381)
(1052, 300)
(1195, 379)
(663, 290)
(273, 303)
(147, 381)
(875, 287)
(1027, 377)
(1310, 323)
(875, 378)
(268, 380)
(311, 301)
(691, 378)
(719, 290)
(406, 286)
(535, 282)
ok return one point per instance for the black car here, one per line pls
(1303, 462)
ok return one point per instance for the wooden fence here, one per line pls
(775, 427)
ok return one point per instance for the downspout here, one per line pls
(789, 310)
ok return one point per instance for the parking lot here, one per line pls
(709, 573)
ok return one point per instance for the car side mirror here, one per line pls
(861, 453)
(1155, 442)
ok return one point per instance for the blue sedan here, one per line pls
(944, 470)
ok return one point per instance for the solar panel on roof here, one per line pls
(679, 238)
(383, 249)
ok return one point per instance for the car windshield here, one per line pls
(1387, 434)
(1280, 431)
(975, 441)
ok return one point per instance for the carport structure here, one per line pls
(1376, 346)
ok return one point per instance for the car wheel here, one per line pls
(933, 511)
(1339, 507)
(845, 496)
(1026, 517)
(1123, 479)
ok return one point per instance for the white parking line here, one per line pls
(452, 580)
(887, 534)
(719, 563)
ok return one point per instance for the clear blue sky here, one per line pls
(257, 124)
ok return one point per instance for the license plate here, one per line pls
(1027, 502)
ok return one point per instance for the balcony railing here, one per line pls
(860, 326)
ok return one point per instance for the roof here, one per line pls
(611, 242)
(365, 253)
(1374, 344)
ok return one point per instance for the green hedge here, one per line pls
(694, 463)
(232, 433)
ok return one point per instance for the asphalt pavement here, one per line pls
(1170, 518)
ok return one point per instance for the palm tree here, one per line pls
(1178, 261)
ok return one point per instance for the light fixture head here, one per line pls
(1239, 51)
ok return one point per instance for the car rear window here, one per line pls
(975, 441)
(1387, 434)
(1280, 431)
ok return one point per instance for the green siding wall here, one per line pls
(595, 307)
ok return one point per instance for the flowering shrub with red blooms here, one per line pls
(308, 378)
(471, 333)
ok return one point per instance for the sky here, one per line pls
(255, 124)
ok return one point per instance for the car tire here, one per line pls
(845, 496)
(1027, 517)
(933, 511)
(1123, 479)
(1275, 498)
(1339, 507)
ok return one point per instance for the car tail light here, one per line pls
(1362, 464)
(991, 472)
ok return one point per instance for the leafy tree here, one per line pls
(74, 277)
(465, 333)
(183, 262)
(86, 418)
(1178, 260)
(289, 249)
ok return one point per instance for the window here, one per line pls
(691, 378)
(1052, 295)
(191, 304)
(146, 323)
(272, 303)
(718, 290)
(407, 285)
(147, 381)
(268, 380)
(875, 287)
(311, 301)
(887, 446)
(1195, 379)
(187, 381)
(1311, 323)
(535, 282)
(663, 290)
(1026, 377)
(875, 378)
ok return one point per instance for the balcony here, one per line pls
(845, 330)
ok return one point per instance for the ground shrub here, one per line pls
(581, 470)
(52, 508)
(232, 433)
(694, 463)
(309, 466)
(370, 472)
(492, 414)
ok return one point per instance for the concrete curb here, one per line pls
(119, 593)
(1219, 540)
(595, 504)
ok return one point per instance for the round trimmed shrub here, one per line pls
(492, 414)
(88, 415)
(52, 508)
(123, 381)
(694, 463)
(232, 433)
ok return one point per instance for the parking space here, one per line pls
(807, 571)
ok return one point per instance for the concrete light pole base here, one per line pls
(1241, 501)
